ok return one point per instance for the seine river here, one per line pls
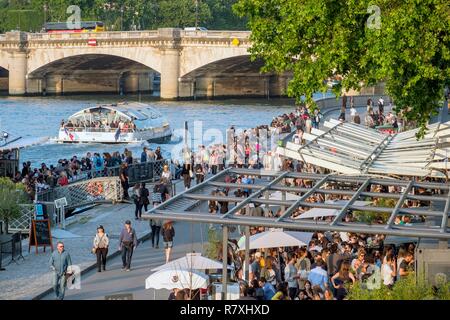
(41, 116)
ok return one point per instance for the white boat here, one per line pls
(115, 123)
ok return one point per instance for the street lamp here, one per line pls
(45, 12)
(121, 18)
(196, 14)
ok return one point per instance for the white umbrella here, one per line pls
(277, 238)
(322, 212)
(191, 261)
(176, 279)
(277, 195)
(317, 212)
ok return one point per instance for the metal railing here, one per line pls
(23, 223)
(100, 186)
(12, 248)
(96, 190)
(94, 129)
(141, 172)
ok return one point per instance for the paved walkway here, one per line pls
(32, 276)
(96, 285)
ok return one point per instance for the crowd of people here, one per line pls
(327, 268)
(74, 169)
(107, 123)
(376, 118)
(330, 264)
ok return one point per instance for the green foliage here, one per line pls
(214, 245)
(375, 217)
(404, 289)
(126, 14)
(11, 196)
(318, 39)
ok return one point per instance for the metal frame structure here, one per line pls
(349, 148)
(353, 187)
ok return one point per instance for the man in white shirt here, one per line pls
(389, 271)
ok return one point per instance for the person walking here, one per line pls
(155, 225)
(186, 173)
(145, 193)
(127, 244)
(168, 233)
(160, 193)
(199, 174)
(123, 174)
(138, 201)
(101, 243)
(60, 262)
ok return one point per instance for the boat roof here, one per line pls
(130, 111)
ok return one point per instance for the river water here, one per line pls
(41, 116)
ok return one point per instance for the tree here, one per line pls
(121, 14)
(223, 16)
(181, 13)
(404, 43)
(12, 195)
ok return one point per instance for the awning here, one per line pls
(186, 206)
(354, 149)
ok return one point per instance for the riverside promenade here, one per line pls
(31, 277)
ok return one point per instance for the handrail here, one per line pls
(93, 129)
(137, 172)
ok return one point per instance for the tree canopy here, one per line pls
(403, 43)
(11, 196)
(29, 15)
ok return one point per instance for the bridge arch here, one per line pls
(193, 58)
(232, 77)
(91, 72)
(4, 79)
(149, 57)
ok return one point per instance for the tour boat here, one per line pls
(115, 123)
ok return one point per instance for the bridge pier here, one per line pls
(170, 71)
(186, 89)
(17, 73)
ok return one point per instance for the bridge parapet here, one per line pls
(132, 35)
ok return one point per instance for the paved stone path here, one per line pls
(32, 276)
(96, 285)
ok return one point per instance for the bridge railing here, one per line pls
(133, 35)
(95, 35)
(215, 34)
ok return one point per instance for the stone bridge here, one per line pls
(189, 63)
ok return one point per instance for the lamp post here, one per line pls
(196, 14)
(45, 12)
(121, 18)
